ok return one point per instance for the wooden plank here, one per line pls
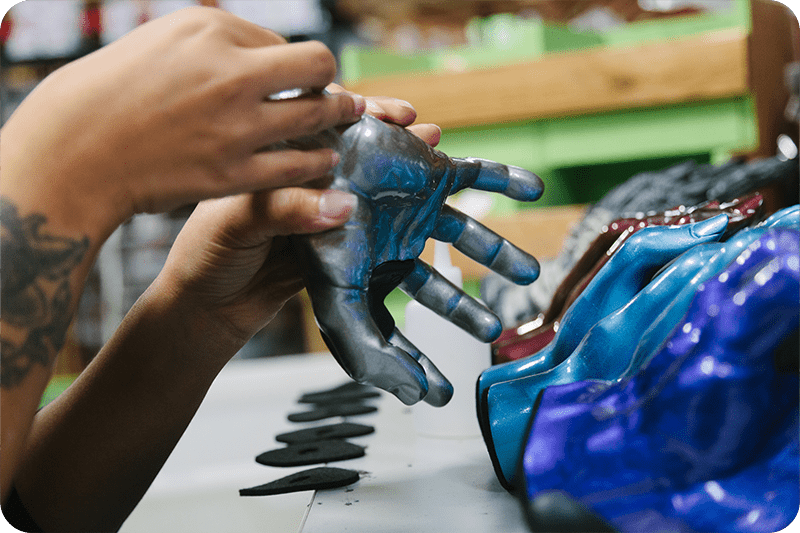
(772, 45)
(707, 66)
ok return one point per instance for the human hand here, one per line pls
(401, 185)
(176, 111)
(396, 111)
(232, 261)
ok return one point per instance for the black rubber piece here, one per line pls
(343, 430)
(339, 397)
(333, 410)
(324, 451)
(323, 477)
(347, 392)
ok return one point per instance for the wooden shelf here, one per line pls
(705, 67)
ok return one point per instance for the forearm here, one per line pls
(49, 241)
(94, 451)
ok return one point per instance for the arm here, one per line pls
(94, 451)
(103, 138)
(46, 257)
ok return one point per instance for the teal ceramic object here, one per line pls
(604, 353)
(625, 274)
(656, 333)
(621, 343)
(614, 286)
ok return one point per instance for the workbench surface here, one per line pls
(408, 482)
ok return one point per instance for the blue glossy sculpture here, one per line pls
(704, 437)
(402, 184)
(604, 353)
(655, 334)
(615, 347)
(615, 284)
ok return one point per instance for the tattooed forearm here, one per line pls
(35, 294)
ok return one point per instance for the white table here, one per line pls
(408, 483)
(411, 483)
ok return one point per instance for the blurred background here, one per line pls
(586, 93)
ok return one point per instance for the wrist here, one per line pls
(39, 176)
(193, 333)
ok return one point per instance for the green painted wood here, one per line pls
(549, 146)
(504, 39)
(738, 15)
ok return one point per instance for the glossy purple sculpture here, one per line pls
(402, 184)
(704, 437)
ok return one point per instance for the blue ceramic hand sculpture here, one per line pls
(624, 275)
(701, 420)
(655, 334)
(402, 184)
(604, 353)
(615, 347)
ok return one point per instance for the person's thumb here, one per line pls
(296, 210)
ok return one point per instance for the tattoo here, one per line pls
(35, 294)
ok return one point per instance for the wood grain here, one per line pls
(772, 45)
(712, 65)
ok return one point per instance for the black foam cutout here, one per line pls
(348, 390)
(343, 430)
(319, 478)
(330, 411)
(339, 397)
(347, 386)
(324, 451)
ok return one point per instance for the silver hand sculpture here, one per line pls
(402, 184)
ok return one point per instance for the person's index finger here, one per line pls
(514, 182)
(308, 65)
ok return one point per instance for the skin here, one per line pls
(119, 141)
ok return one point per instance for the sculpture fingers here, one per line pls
(478, 242)
(359, 346)
(435, 292)
(514, 182)
(440, 390)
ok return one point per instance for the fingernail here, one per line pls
(335, 158)
(360, 104)
(336, 205)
